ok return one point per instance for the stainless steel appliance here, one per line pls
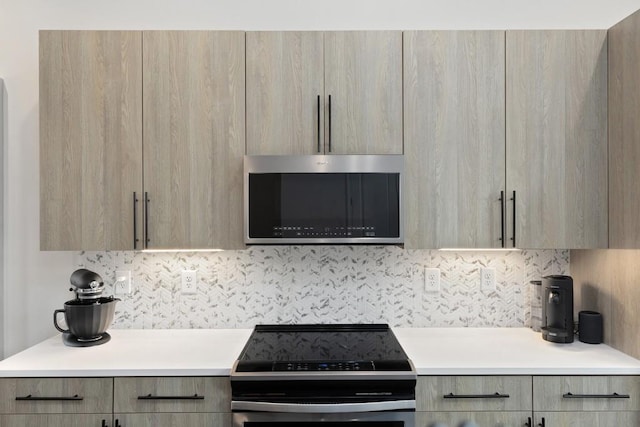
(319, 199)
(557, 309)
(88, 315)
(323, 376)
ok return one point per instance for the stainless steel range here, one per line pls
(323, 376)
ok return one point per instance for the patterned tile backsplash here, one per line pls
(324, 284)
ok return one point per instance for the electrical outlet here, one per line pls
(432, 280)
(123, 283)
(488, 279)
(189, 282)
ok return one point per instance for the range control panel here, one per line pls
(323, 366)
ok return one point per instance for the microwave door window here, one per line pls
(323, 205)
(313, 205)
(379, 216)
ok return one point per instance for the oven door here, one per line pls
(370, 414)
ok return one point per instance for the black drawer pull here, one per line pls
(152, 397)
(495, 395)
(34, 398)
(595, 396)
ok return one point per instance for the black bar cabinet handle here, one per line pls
(595, 396)
(146, 219)
(513, 198)
(152, 397)
(318, 124)
(104, 423)
(135, 221)
(528, 423)
(502, 217)
(495, 395)
(541, 424)
(49, 398)
(329, 123)
(118, 423)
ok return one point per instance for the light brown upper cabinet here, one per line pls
(454, 138)
(511, 151)
(92, 95)
(324, 93)
(556, 138)
(193, 138)
(90, 139)
(624, 134)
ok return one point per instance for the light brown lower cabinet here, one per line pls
(172, 401)
(478, 401)
(173, 420)
(171, 395)
(587, 419)
(57, 420)
(473, 393)
(479, 419)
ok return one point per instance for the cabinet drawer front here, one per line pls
(473, 393)
(56, 420)
(56, 395)
(479, 419)
(588, 419)
(173, 420)
(172, 394)
(587, 393)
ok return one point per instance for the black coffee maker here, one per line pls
(557, 309)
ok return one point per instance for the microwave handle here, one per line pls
(323, 408)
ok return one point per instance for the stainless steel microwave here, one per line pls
(323, 199)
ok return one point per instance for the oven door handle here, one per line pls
(323, 408)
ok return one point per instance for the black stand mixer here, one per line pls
(88, 315)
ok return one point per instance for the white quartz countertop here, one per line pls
(135, 352)
(507, 351)
(211, 352)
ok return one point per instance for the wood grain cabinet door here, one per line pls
(173, 420)
(363, 77)
(56, 420)
(473, 393)
(56, 395)
(172, 394)
(624, 133)
(476, 419)
(337, 92)
(454, 117)
(90, 139)
(587, 419)
(586, 393)
(556, 99)
(285, 92)
(194, 138)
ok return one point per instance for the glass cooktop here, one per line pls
(340, 347)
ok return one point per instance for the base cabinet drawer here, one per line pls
(587, 419)
(56, 420)
(173, 420)
(475, 419)
(172, 394)
(473, 393)
(586, 393)
(56, 395)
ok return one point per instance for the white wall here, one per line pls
(36, 282)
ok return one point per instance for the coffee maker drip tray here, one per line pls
(73, 341)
